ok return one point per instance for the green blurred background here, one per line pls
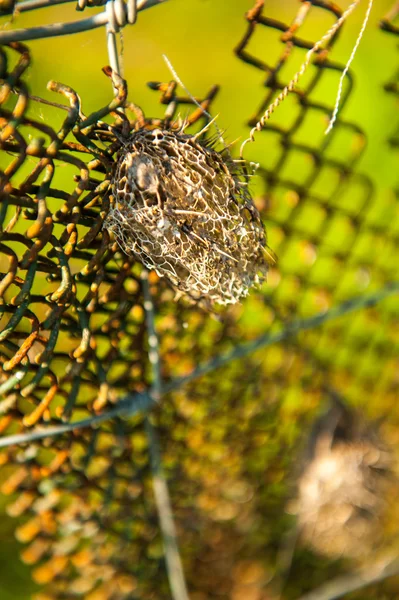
(198, 36)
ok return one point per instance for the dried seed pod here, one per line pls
(184, 209)
(344, 487)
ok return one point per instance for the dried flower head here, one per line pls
(343, 490)
(184, 209)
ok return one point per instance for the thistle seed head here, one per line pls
(184, 210)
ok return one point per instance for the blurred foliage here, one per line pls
(230, 441)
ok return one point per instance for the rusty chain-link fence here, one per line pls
(79, 352)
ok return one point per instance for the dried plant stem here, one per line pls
(172, 556)
(292, 84)
(205, 112)
(161, 492)
(284, 562)
(341, 586)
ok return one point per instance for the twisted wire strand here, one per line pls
(348, 64)
(292, 84)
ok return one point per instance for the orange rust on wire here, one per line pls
(102, 397)
(388, 23)
(22, 352)
(18, 312)
(18, 112)
(60, 458)
(35, 551)
(5, 422)
(16, 478)
(37, 413)
(28, 532)
(71, 236)
(11, 271)
(298, 21)
(18, 71)
(95, 262)
(254, 12)
(64, 291)
(21, 504)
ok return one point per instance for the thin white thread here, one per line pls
(348, 64)
(205, 112)
(290, 87)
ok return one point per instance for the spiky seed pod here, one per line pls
(184, 209)
(344, 487)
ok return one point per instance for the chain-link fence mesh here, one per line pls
(74, 341)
